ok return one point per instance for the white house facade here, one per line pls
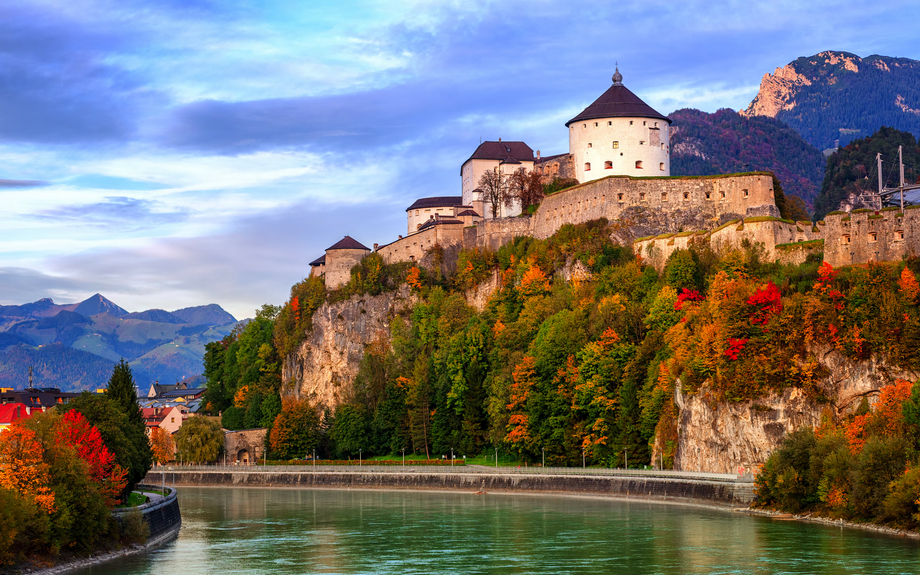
(506, 158)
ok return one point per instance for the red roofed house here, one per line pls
(10, 413)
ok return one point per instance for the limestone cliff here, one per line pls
(721, 438)
(324, 366)
(777, 92)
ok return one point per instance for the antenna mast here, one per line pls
(879, 158)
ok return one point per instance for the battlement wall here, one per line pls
(767, 231)
(716, 196)
(866, 235)
(413, 248)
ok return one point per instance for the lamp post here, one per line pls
(404, 456)
(314, 460)
(626, 458)
(543, 449)
(359, 457)
(583, 458)
(496, 458)
(451, 456)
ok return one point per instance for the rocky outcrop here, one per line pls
(324, 366)
(725, 437)
(777, 92)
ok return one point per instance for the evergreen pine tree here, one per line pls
(121, 389)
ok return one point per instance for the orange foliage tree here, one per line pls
(109, 477)
(162, 445)
(22, 467)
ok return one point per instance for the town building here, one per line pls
(500, 157)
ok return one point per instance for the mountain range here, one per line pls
(74, 347)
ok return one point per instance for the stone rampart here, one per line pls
(727, 491)
(338, 266)
(867, 235)
(413, 247)
(782, 240)
(716, 196)
(493, 234)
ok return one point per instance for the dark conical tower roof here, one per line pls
(617, 102)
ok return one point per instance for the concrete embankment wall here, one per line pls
(729, 493)
(161, 515)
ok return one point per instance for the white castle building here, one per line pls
(619, 135)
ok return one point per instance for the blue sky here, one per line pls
(173, 153)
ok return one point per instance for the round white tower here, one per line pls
(619, 135)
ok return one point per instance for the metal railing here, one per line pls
(369, 467)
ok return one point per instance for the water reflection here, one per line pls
(248, 531)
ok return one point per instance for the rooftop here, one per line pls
(502, 151)
(348, 243)
(617, 102)
(320, 261)
(436, 202)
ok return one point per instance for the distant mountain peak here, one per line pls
(211, 314)
(97, 304)
(833, 97)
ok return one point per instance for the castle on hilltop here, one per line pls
(619, 151)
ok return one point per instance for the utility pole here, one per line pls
(901, 161)
(879, 158)
(30, 374)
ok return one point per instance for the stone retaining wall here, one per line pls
(161, 515)
(726, 493)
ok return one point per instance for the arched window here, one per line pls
(661, 166)
(608, 165)
(845, 239)
(664, 196)
(587, 166)
(638, 164)
(620, 197)
(686, 195)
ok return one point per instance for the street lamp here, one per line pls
(496, 458)
(451, 456)
(359, 457)
(404, 456)
(543, 449)
(583, 458)
(626, 458)
(314, 459)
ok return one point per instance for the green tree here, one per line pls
(127, 442)
(350, 430)
(200, 440)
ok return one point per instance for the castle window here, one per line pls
(662, 146)
(641, 142)
(722, 195)
(643, 123)
(416, 212)
(590, 145)
(608, 165)
(661, 166)
(873, 237)
(609, 123)
(899, 236)
(616, 145)
(587, 166)
(845, 239)
(664, 196)
(641, 196)
(620, 197)
(595, 124)
(708, 195)
(584, 125)
(686, 195)
(656, 124)
(638, 164)
(744, 193)
(630, 122)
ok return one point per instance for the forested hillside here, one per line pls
(838, 96)
(727, 142)
(569, 364)
(853, 168)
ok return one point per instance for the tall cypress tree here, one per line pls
(123, 395)
(121, 390)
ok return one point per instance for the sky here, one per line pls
(173, 153)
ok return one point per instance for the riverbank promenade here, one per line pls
(725, 490)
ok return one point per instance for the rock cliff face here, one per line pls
(323, 368)
(722, 438)
(777, 92)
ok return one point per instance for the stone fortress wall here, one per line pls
(717, 197)
(868, 235)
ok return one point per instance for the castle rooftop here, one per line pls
(348, 243)
(617, 102)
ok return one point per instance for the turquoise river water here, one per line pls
(253, 531)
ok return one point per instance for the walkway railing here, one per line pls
(369, 467)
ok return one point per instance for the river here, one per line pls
(253, 531)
